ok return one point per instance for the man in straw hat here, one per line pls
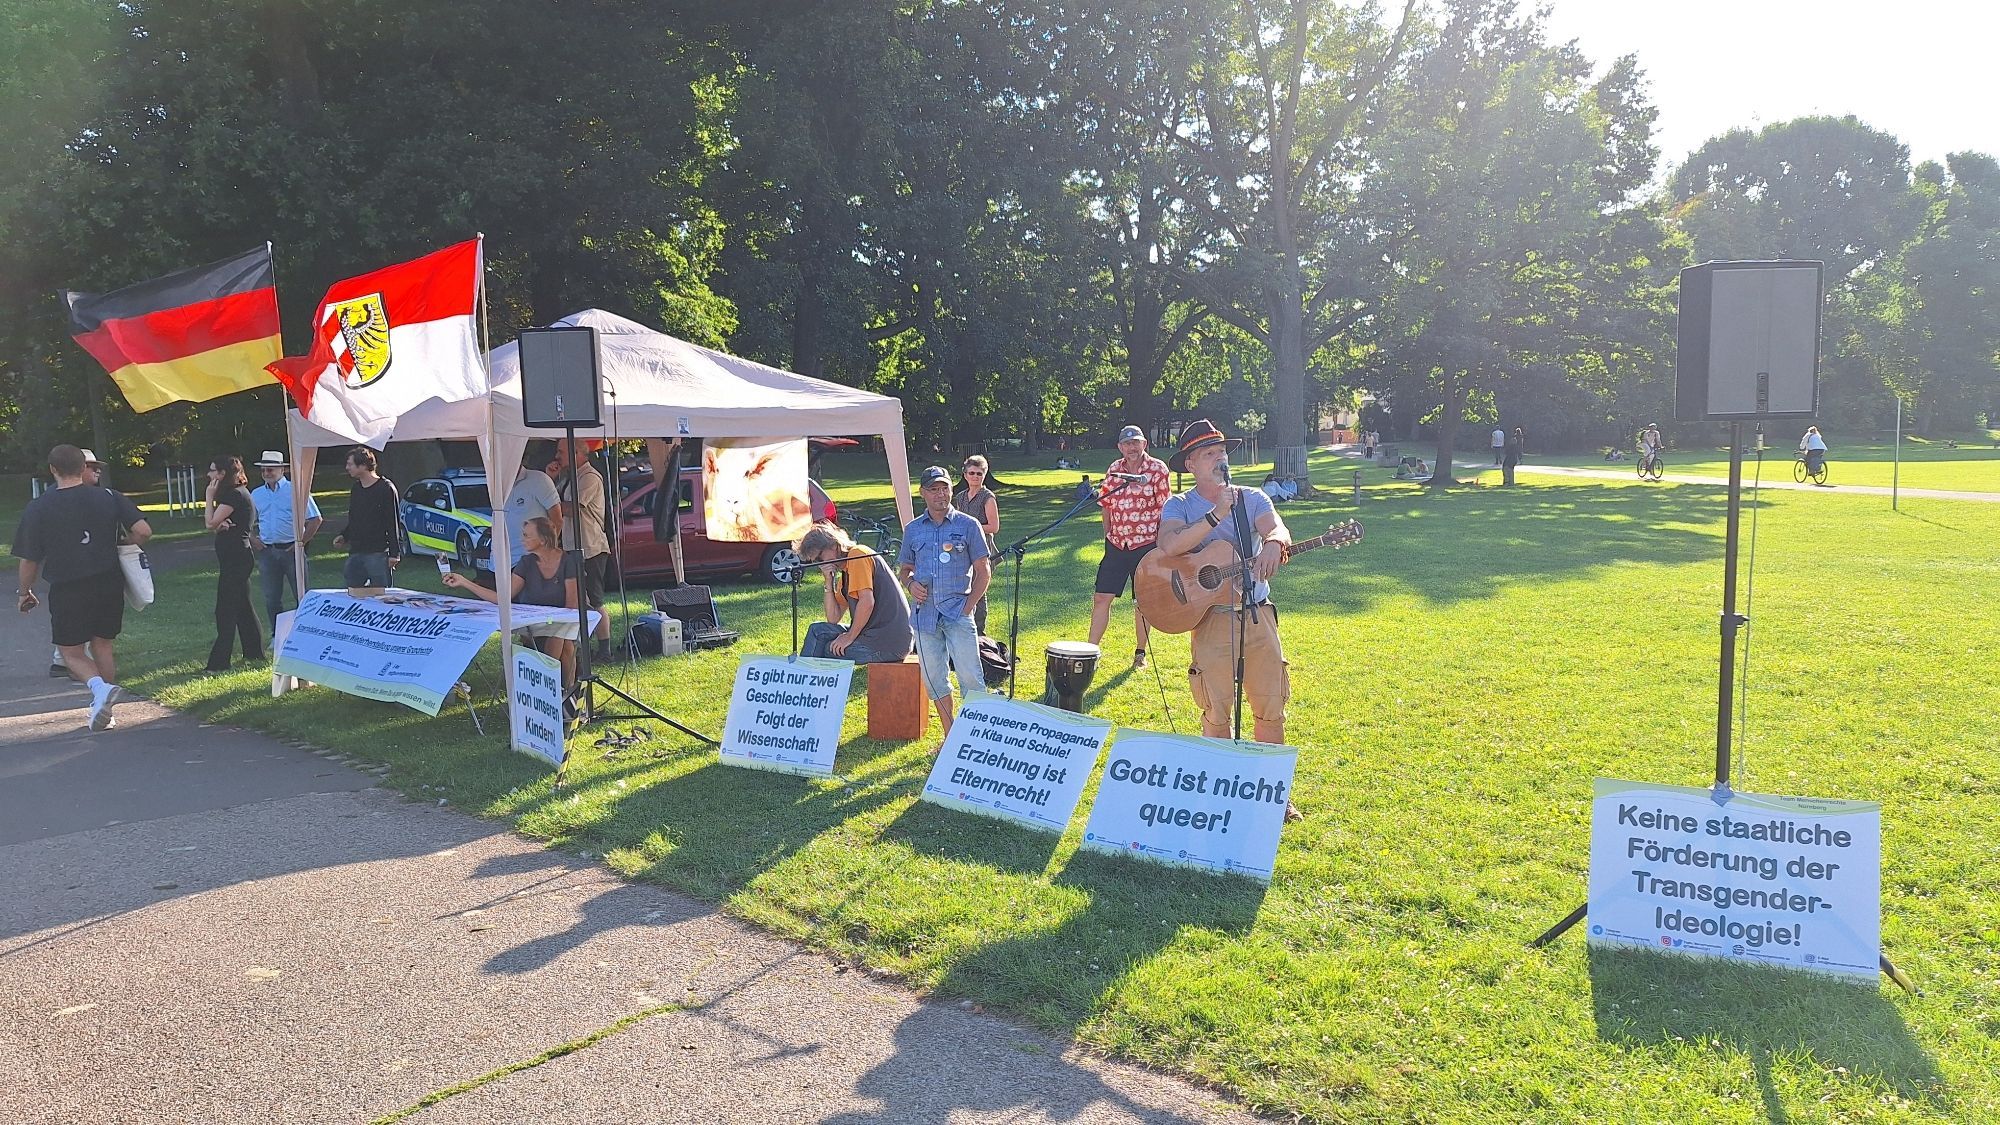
(1192, 520)
(274, 541)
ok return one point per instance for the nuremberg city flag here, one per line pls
(186, 337)
(389, 340)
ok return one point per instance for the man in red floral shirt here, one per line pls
(1135, 489)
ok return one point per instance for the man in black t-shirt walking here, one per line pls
(374, 532)
(70, 535)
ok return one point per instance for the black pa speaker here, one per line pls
(1748, 341)
(559, 383)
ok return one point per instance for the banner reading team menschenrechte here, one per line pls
(1791, 881)
(1016, 761)
(402, 647)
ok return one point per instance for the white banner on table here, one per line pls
(1195, 802)
(1790, 881)
(402, 646)
(785, 714)
(1016, 761)
(537, 712)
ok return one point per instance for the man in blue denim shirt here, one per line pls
(944, 563)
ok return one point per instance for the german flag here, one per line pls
(187, 337)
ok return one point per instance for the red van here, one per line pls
(645, 559)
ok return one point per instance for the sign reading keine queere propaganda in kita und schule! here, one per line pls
(785, 714)
(1195, 802)
(1016, 761)
(1789, 881)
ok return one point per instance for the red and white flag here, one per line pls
(389, 340)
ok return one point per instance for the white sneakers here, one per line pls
(103, 697)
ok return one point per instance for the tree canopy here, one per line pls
(1025, 218)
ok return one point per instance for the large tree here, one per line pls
(1503, 182)
(1932, 313)
(1829, 189)
(1285, 92)
(352, 137)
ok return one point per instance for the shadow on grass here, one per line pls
(1648, 1000)
(1058, 976)
(976, 841)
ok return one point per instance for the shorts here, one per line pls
(1116, 568)
(593, 581)
(1267, 677)
(87, 608)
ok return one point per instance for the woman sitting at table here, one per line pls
(546, 575)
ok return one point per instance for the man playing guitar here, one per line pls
(1203, 515)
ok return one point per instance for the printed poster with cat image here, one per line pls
(755, 490)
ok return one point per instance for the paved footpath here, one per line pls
(1529, 468)
(205, 925)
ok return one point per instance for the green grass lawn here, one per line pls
(1973, 467)
(1460, 677)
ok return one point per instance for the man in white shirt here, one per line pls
(273, 541)
(534, 495)
(1499, 444)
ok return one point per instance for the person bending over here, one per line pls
(862, 591)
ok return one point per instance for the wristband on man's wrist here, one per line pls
(1212, 521)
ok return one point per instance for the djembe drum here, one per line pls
(1069, 668)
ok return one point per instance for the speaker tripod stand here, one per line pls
(1732, 622)
(582, 695)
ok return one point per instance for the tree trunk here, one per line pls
(1448, 422)
(1287, 424)
(808, 316)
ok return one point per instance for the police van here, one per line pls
(450, 514)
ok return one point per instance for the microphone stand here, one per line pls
(1247, 609)
(1019, 549)
(795, 577)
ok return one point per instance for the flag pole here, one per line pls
(503, 536)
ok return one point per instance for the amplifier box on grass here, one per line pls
(656, 634)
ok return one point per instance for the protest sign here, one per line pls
(537, 711)
(785, 714)
(1792, 881)
(1016, 761)
(1196, 802)
(402, 646)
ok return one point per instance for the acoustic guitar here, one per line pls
(1174, 591)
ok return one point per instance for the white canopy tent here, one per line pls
(655, 386)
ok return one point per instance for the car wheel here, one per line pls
(781, 564)
(466, 558)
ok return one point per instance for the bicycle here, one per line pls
(887, 533)
(1802, 473)
(1652, 468)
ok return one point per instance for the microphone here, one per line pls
(1223, 468)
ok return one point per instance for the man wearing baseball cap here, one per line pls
(1136, 487)
(274, 541)
(944, 562)
(1203, 515)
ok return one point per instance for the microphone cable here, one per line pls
(1741, 772)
